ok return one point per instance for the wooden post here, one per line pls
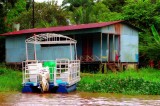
(75, 50)
(101, 47)
(108, 47)
(113, 48)
(100, 67)
(105, 68)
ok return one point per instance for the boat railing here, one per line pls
(68, 71)
(30, 71)
(64, 71)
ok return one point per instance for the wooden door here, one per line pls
(87, 48)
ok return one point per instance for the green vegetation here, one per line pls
(143, 81)
(10, 80)
(46, 14)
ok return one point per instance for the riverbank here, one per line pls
(10, 80)
(143, 81)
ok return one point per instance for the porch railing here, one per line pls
(87, 58)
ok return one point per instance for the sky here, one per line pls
(59, 1)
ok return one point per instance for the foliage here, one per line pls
(114, 5)
(71, 5)
(155, 35)
(2, 17)
(90, 11)
(46, 15)
(14, 13)
(141, 13)
(101, 13)
(150, 45)
(145, 81)
(2, 30)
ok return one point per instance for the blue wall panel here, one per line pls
(108, 29)
(15, 49)
(104, 48)
(129, 45)
(55, 52)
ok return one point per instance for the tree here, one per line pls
(90, 11)
(2, 18)
(2, 30)
(141, 13)
(150, 47)
(12, 2)
(79, 10)
(46, 14)
(114, 5)
(13, 13)
(71, 5)
(101, 13)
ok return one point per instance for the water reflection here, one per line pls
(76, 99)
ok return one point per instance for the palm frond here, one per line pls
(155, 34)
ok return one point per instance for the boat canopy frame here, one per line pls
(50, 38)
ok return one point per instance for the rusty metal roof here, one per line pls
(61, 28)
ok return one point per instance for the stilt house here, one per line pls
(114, 44)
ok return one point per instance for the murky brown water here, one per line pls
(76, 99)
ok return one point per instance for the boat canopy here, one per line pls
(50, 38)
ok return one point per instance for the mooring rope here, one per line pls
(44, 79)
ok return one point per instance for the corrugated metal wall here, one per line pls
(108, 29)
(129, 44)
(16, 52)
(15, 48)
(54, 52)
(104, 47)
(114, 46)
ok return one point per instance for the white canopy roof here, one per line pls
(50, 38)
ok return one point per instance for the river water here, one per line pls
(77, 99)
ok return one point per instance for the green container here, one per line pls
(51, 65)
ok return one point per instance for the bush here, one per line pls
(118, 83)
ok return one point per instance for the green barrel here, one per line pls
(51, 65)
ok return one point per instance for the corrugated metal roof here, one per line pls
(61, 28)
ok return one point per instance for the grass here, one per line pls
(148, 74)
(10, 80)
(143, 81)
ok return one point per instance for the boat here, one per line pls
(58, 75)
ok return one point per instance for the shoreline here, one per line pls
(145, 81)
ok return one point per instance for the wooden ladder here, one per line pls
(113, 67)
